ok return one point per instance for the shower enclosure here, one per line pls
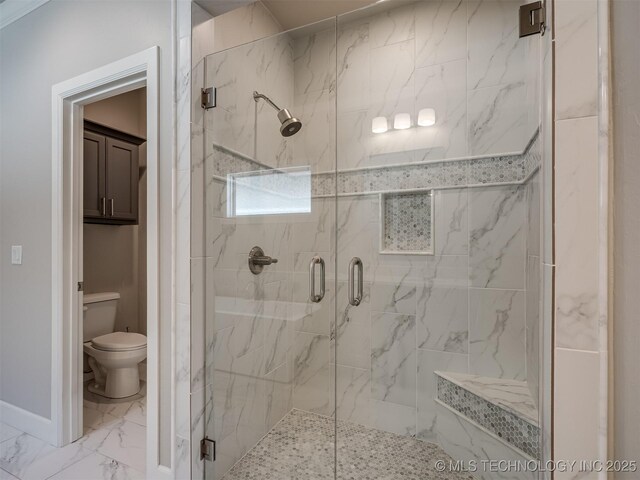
(389, 170)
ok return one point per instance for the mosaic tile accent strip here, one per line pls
(499, 169)
(302, 446)
(512, 429)
(407, 222)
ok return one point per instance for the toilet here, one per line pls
(113, 356)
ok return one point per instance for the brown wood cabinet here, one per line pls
(110, 175)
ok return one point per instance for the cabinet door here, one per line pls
(94, 203)
(122, 180)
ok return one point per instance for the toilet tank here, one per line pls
(99, 314)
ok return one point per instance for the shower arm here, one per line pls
(257, 96)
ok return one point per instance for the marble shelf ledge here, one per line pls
(513, 396)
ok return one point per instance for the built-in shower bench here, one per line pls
(504, 408)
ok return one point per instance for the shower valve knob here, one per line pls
(257, 260)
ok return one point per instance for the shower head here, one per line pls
(290, 125)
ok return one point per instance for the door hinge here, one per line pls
(532, 17)
(208, 449)
(208, 98)
(81, 286)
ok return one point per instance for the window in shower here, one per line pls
(269, 192)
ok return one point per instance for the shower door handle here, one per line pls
(355, 299)
(313, 296)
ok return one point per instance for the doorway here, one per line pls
(114, 318)
(73, 99)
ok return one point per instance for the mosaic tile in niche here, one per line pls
(407, 222)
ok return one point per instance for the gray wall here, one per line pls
(625, 20)
(58, 41)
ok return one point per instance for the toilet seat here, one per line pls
(119, 342)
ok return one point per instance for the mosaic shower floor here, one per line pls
(301, 447)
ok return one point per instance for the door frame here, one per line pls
(68, 100)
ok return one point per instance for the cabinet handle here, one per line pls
(111, 207)
(355, 299)
(103, 206)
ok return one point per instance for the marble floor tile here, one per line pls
(126, 443)
(95, 419)
(4, 475)
(7, 432)
(137, 412)
(98, 467)
(29, 458)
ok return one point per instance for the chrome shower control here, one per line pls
(257, 260)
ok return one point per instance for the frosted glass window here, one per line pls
(269, 192)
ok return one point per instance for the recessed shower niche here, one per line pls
(406, 223)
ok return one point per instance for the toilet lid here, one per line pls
(119, 341)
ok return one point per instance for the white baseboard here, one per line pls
(28, 422)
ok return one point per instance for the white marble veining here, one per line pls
(443, 306)
(577, 234)
(112, 447)
(442, 33)
(29, 458)
(467, 442)
(126, 443)
(496, 231)
(496, 120)
(451, 222)
(511, 395)
(494, 49)
(496, 333)
(442, 87)
(393, 358)
(576, 49)
(7, 432)
(428, 363)
(96, 466)
(393, 26)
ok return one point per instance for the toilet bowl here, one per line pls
(114, 360)
(112, 356)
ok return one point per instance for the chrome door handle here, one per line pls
(111, 207)
(353, 298)
(316, 298)
(103, 206)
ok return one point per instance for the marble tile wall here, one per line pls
(268, 348)
(461, 57)
(580, 244)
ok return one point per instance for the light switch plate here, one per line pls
(16, 254)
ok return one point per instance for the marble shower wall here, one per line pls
(471, 307)
(462, 58)
(461, 310)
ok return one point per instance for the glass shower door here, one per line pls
(270, 243)
(438, 239)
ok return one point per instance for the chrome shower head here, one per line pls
(289, 124)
